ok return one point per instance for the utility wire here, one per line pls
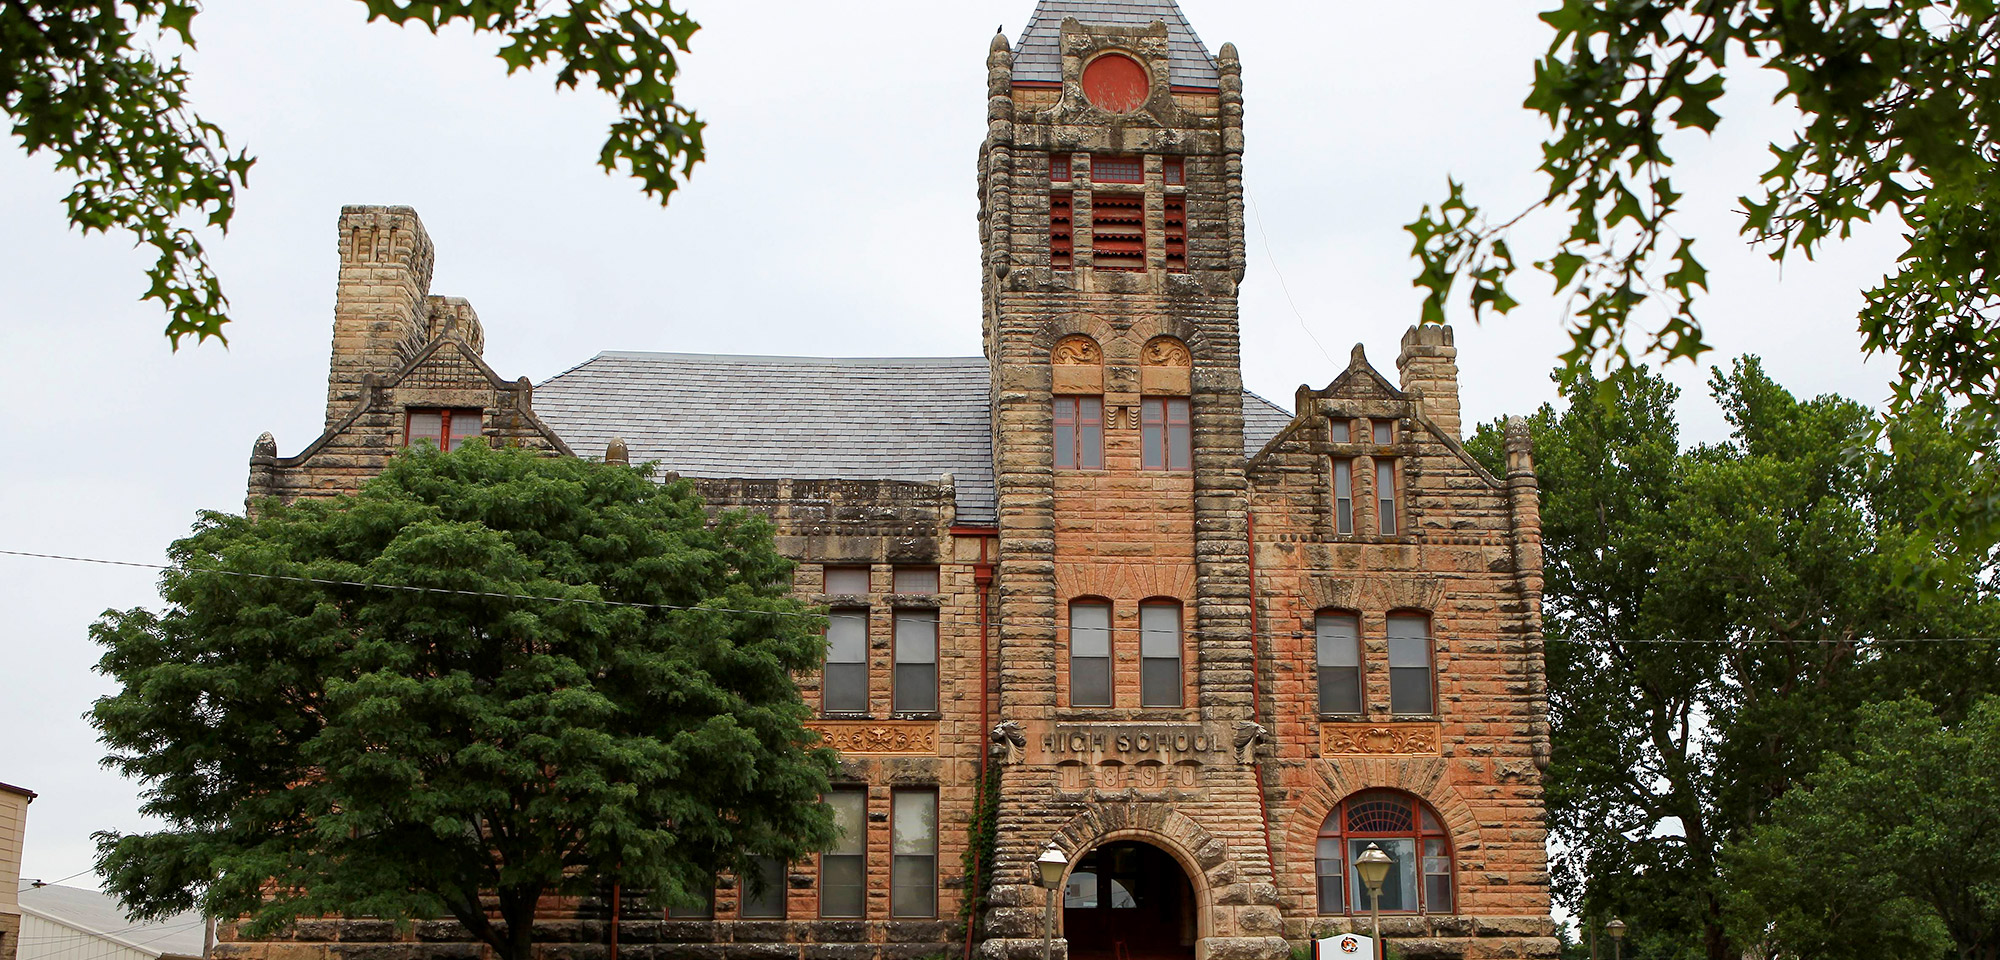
(1268, 255)
(940, 621)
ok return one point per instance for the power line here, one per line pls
(1268, 255)
(941, 619)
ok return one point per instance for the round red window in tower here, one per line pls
(1115, 82)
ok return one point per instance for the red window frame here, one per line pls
(1379, 814)
(1173, 171)
(447, 438)
(1059, 168)
(1062, 230)
(1117, 170)
(1079, 432)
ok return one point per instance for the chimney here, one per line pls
(380, 310)
(1428, 367)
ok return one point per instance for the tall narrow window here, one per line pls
(843, 685)
(847, 581)
(913, 864)
(763, 891)
(1343, 496)
(1339, 636)
(1159, 654)
(1079, 430)
(1341, 431)
(1385, 432)
(1163, 435)
(1062, 231)
(446, 429)
(843, 880)
(916, 661)
(1410, 688)
(1175, 230)
(1385, 495)
(1118, 231)
(1090, 653)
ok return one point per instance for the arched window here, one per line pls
(1406, 829)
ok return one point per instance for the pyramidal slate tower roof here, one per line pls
(1038, 57)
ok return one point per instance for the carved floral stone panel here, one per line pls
(913, 737)
(1379, 739)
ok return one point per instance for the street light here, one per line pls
(1049, 868)
(1373, 866)
(1616, 928)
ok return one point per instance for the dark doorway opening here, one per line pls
(1129, 901)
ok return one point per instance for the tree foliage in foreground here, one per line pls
(1899, 103)
(1887, 852)
(1715, 614)
(79, 78)
(320, 748)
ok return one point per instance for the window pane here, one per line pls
(1090, 629)
(1152, 439)
(844, 688)
(916, 688)
(1090, 433)
(847, 636)
(847, 581)
(1065, 426)
(1384, 433)
(1339, 640)
(764, 891)
(1120, 895)
(1339, 690)
(913, 887)
(1159, 682)
(1410, 690)
(698, 911)
(842, 891)
(1179, 451)
(1081, 890)
(1409, 625)
(1385, 494)
(850, 817)
(916, 580)
(1160, 630)
(1399, 888)
(1341, 431)
(1090, 681)
(462, 425)
(913, 827)
(1059, 167)
(916, 661)
(428, 425)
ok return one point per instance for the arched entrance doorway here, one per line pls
(1129, 900)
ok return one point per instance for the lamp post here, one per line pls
(1049, 869)
(1616, 928)
(1373, 866)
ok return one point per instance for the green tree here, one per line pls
(79, 79)
(317, 744)
(1709, 610)
(1885, 852)
(1899, 102)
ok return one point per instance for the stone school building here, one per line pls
(1212, 648)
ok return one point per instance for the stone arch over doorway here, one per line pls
(1234, 915)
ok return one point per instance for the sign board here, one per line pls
(1345, 946)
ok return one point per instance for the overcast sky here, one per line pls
(835, 216)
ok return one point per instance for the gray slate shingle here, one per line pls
(804, 418)
(1038, 57)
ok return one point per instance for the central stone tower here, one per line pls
(1112, 232)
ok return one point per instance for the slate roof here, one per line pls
(1038, 57)
(96, 915)
(803, 418)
